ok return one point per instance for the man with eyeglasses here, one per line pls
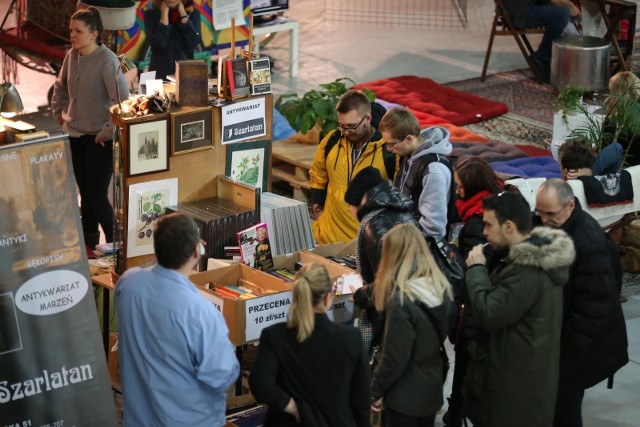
(359, 146)
(517, 302)
(424, 173)
(594, 336)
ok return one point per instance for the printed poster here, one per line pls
(53, 370)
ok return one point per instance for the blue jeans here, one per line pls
(608, 160)
(554, 19)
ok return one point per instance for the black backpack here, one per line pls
(416, 188)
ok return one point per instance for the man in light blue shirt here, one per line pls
(176, 360)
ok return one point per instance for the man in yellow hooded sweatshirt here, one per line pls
(360, 145)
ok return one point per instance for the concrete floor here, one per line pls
(444, 53)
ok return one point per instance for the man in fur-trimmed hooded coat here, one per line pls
(514, 362)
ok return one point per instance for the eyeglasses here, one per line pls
(351, 128)
(536, 212)
(391, 144)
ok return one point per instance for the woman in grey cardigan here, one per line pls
(82, 95)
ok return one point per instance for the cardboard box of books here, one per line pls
(249, 299)
(342, 309)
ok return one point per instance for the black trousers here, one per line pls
(396, 419)
(93, 167)
(569, 408)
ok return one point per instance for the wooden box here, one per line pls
(342, 310)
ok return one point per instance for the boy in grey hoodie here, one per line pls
(430, 191)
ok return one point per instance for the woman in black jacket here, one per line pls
(311, 371)
(474, 180)
(172, 28)
(416, 299)
(379, 206)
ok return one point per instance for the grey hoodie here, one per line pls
(436, 180)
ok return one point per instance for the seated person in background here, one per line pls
(578, 159)
(539, 13)
(424, 173)
(624, 89)
(173, 30)
(359, 146)
(573, 28)
(311, 371)
(379, 206)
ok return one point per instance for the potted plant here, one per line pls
(316, 108)
(618, 121)
(571, 113)
(569, 100)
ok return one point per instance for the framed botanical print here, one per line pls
(249, 163)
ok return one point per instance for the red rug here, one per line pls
(425, 95)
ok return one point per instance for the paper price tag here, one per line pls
(341, 310)
(265, 311)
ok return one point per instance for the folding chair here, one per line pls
(502, 26)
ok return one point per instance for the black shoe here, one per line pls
(543, 68)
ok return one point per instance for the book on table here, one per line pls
(255, 249)
(237, 77)
(260, 75)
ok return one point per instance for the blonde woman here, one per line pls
(415, 299)
(311, 371)
(622, 107)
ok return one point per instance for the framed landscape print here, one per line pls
(191, 131)
(148, 147)
(249, 163)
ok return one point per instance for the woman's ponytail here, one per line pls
(311, 285)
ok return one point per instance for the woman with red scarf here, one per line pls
(474, 180)
(173, 30)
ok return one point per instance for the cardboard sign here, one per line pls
(243, 120)
(266, 311)
(52, 361)
(341, 310)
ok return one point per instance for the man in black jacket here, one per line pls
(539, 13)
(594, 336)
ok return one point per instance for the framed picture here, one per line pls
(191, 131)
(148, 147)
(148, 201)
(249, 163)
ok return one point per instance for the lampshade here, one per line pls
(10, 101)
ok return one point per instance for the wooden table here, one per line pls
(292, 161)
(622, 10)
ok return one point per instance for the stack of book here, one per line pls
(288, 222)
(219, 221)
(243, 290)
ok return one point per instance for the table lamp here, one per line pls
(10, 102)
(125, 65)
